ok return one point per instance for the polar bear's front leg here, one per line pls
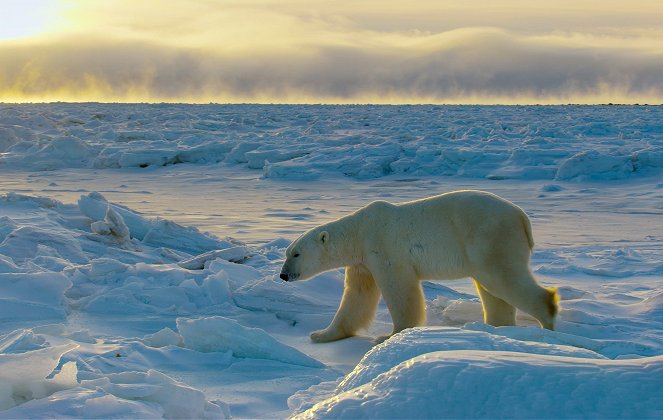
(357, 309)
(401, 291)
(496, 312)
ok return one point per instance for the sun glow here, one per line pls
(439, 51)
(28, 18)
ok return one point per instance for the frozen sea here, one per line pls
(140, 247)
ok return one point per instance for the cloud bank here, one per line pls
(303, 59)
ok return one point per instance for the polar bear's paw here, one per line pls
(327, 335)
(382, 339)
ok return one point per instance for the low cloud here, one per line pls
(480, 65)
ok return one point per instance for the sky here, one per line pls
(340, 51)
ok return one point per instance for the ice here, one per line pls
(163, 338)
(67, 377)
(84, 403)
(175, 399)
(221, 334)
(131, 395)
(23, 376)
(234, 254)
(32, 296)
(114, 227)
(95, 206)
(495, 142)
(33, 386)
(156, 233)
(20, 341)
(27, 242)
(619, 262)
(140, 247)
(592, 163)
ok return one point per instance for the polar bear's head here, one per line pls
(308, 255)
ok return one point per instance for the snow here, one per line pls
(445, 372)
(140, 247)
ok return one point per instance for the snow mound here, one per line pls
(221, 334)
(416, 341)
(481, 384)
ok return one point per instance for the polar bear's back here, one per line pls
(466, 205)
(466, 198)
(450, 234)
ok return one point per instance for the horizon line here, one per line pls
(332, 103)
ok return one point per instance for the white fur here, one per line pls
(389, 248)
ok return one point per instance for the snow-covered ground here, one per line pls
(140, 247)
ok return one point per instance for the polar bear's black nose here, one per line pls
(284, 276)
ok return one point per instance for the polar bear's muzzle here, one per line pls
(285, 276)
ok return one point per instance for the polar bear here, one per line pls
(387, 249)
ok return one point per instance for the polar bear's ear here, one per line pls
(323, 236)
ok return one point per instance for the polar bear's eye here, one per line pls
(295, 255)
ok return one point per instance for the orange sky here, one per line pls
(342, 51)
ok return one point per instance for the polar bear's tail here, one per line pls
(528, 228)
(552, 300)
